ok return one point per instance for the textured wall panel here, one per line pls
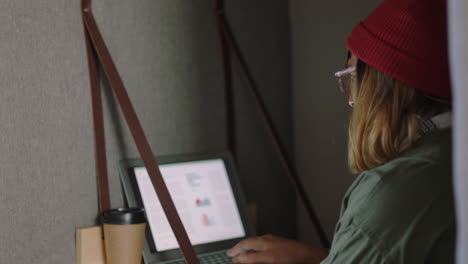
(262, 30)
(46, 173)
(168, 55)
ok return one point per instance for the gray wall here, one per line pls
(169, 57)
(318, 32)
(262, 29)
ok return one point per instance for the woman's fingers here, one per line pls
(254, 257)
(250, 244)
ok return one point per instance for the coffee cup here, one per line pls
(124, 231)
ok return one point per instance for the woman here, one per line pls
(400, 208)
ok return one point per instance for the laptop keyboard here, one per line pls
(215, 258)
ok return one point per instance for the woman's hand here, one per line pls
(272, 249)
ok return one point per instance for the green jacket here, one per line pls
(402, 211)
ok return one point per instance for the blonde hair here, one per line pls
(386, 117)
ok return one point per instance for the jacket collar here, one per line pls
(438, 122)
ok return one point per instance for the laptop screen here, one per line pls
(204, 198)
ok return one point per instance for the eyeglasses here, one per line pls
(345, 80)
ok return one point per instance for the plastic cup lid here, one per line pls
(124, 216)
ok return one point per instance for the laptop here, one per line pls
(208, 198)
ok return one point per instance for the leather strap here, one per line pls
(98, 123)
(228, 88)
(96, 46)
(228, 36)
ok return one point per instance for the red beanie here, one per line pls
(407, 40)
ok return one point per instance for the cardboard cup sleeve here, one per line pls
(124, 232)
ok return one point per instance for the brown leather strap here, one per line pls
(136, 130)
(281, 150)
(228, 88)
(98, 122)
